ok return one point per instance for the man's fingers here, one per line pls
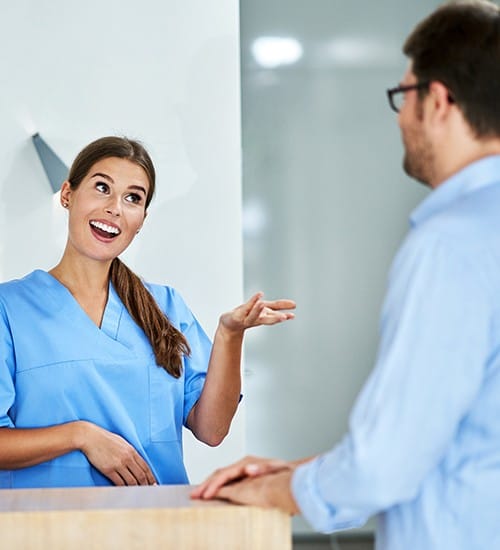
(247, 467)
(209, 487)
(265, 467)
(272, 490)
(219, 478)
(226, 493)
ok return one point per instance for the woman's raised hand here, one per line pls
(256, 312)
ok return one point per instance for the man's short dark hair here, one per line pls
(459, 45)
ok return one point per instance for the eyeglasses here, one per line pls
(396, 100)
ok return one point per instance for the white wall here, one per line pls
(165, 72)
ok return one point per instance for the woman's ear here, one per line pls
(140, 227)
(65, 194)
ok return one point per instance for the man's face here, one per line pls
(418, 161)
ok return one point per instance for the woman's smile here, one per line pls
(103, 230)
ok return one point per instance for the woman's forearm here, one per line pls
(21, 448)
(211, 417)
(108, 452)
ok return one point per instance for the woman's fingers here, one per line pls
(280, 304)
(132, 474)
(129, 476)
(116, 479)
(140, 473)
(116, 458)
(250, 304)
(257, 312)
(267, 312)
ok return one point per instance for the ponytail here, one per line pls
(168, 343)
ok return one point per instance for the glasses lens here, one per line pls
(398, 100)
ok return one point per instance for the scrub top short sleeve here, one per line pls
(7, 390)
(195, 365)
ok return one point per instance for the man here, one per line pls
(423, 447)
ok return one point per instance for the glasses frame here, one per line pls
(391, 92)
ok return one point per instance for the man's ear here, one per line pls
(65, 194)
(440, 99)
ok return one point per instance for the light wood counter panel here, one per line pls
(133, 518)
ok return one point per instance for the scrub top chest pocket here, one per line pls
(166, 404)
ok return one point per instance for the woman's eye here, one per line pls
(133, 197)
(102, 187)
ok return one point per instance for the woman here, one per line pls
(99, 371)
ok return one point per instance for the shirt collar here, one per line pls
(471, 178)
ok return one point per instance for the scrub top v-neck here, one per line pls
(57, 366)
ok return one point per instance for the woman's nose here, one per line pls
(113, 207)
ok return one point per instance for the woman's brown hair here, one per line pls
(169, 344)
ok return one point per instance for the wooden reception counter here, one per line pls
(126, 518)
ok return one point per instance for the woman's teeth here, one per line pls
(106, 228)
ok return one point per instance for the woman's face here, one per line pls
(107, 209)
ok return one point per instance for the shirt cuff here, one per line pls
(306, 489)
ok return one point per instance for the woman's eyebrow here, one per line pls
(105, 176)
(138, 188)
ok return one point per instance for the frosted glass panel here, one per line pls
(325, 206)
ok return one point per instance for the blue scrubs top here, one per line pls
(57, 366)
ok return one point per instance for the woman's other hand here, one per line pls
(114, 457)
(256, 312)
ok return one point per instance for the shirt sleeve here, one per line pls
(435, 333)
(7, 369)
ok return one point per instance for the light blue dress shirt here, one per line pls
(57, 366)
(423, 446)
